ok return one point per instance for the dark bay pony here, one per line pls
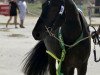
(59, 17)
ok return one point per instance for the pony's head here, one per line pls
(51, 18)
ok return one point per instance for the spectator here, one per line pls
(22, 12)
(13, 12)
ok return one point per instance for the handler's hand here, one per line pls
(94, 34)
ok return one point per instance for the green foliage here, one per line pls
(34, 8)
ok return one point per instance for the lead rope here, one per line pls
(58, 70)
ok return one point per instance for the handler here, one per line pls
(13, 12)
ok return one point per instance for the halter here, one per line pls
(60, 39)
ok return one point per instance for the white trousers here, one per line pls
(22, 15)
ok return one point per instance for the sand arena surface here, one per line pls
(15, 43)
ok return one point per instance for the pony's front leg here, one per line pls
(82, 69)
(52, 68)
(68, 70)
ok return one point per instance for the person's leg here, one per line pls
(21, 23)
(8, 21)
(22, 17)
(15, 21)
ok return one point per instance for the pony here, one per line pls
(59, 18)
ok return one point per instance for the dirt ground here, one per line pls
(15, 43)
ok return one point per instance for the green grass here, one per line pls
(34, 8)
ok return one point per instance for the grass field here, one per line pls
(34, 9)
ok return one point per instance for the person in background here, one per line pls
(22, 12)
(12, 12)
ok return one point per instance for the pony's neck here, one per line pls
(70, 10)
(72, 28)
